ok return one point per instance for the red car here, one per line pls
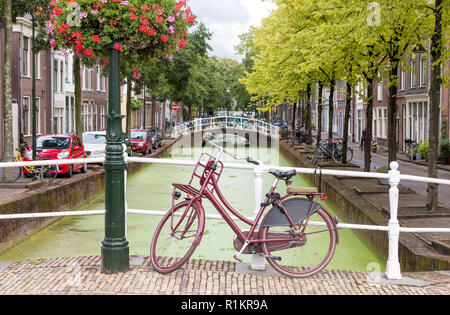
(61, 146)
(141, 141)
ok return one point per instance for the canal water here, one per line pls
(149, 189)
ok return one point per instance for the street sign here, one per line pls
(175, 107)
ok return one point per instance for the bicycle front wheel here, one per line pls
(176, 237)
(305, 254)
(49, 172)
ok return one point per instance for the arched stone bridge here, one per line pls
(254, 131)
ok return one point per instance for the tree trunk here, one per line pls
(308, 113)
(348, 103)
(163, 124)
(330, 112)
(294, 109)
(153, 111)
(392, 112)
(8, 141)
(319, 114)
(77, 77)
(436, 81)
(369, 121)
(128, 110)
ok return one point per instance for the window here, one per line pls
(379, 127)
(89, 79)
(26, 115)
(98, 78)
(413, 73)
(384, 131)
(66, 68)
(423, 72)
(55, 75)
(402, 77)
(380, 91)
(38, 115)
(26, 56)
(83, 77)
(84, 115)
(38, 65)
(61, 78)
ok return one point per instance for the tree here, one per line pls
(9, 11)
(439, 50)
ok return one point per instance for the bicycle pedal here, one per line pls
(237, 258)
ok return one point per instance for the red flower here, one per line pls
(190, 19)
(164, 38)
(182, 43)
(117, 46)
(133, 16)
(151, 32)
(96, 38)
(57, 11)
(88, 52)
(159, 19)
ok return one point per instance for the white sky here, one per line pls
(227, 19)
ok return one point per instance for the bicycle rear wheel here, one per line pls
(176, 237)
(303, 255)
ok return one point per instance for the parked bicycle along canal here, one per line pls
(149, 189)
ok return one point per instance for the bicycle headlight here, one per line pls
(63, 155)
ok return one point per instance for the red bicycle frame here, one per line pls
(209, 177)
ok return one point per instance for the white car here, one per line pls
(95, 144)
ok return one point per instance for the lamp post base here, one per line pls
(115, 259)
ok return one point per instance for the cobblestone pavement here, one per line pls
(82, 275)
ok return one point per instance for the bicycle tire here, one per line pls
(167, 252)
(315, 157)
(336, 155)
(349, 154)
(49, 173)
(16, 173)
(293, 263)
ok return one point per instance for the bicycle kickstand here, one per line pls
(238, 256)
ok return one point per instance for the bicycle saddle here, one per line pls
(282, 174)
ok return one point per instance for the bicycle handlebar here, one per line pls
(234, 156)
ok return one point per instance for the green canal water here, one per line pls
(149, 189)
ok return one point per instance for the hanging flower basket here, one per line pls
(137, 27)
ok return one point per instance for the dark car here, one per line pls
(156, 137)
(141, 141)
(61, 146)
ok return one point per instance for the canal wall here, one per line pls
(353, 208)
(65, 194)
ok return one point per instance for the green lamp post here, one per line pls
(115, 250)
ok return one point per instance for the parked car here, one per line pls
(58, 147)
(156, 137)
(95, 144)
(141, 141)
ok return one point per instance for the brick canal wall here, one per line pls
(351, 207)
(65, 194)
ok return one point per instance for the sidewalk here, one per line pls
(82, 275)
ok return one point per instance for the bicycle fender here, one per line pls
(297, 209)
(201, 213)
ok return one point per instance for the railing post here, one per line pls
(257, 260)
(393, 263)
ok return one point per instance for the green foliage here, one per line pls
(423, 148)
(136, 104)
(444, 148)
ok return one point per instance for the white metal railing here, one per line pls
(393, 228)
(226, 121)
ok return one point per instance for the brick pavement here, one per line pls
(82, 275)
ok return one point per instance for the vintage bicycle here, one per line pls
(42, 173)
(297, 235)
